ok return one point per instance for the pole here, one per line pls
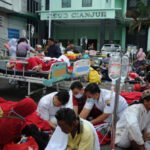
(49, 22)
(29, 32)
(49, 32)
(114, 115)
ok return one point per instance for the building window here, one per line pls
(66, 3)
(86, 3)
(32, 6)
(131, 4)
(47, 4)
(108, 3)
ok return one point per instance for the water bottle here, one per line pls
(114, 67)
(124, 68)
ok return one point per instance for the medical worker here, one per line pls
(104, 101)
(50, 104)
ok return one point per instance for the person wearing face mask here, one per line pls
(104, 101)
(79, 99)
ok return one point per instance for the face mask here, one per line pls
(78, 95)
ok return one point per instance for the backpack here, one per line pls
(94, 76)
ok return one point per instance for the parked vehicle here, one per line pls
(111, 49)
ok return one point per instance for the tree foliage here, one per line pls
(140, 16)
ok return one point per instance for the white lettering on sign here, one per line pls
(77, 15)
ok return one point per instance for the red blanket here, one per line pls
(131, 96)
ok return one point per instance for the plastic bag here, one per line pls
(94, 76)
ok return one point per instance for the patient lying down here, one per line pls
(36, 63)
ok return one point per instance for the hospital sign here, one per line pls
(74, 15)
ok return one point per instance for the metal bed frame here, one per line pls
(56, 75)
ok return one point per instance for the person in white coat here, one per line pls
(73, 133)
(133, 128)
(50, 104)
(104, 101)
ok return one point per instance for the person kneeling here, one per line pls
(73, 133)
(133, 128)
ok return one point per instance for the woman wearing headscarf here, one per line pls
(140, 58)
(11, 47)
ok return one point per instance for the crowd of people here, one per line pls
(74, 119)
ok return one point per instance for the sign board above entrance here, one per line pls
(75, 15)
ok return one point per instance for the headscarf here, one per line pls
(140, 55)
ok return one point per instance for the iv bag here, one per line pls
(115, 67)
(124, 68)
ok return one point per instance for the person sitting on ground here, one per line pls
(73, 133)
(141, 88)
(50, 104)
(104, 101)
(133, 128)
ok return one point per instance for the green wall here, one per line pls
(91, 32)
(77, 5)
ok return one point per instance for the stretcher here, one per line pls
(57, 73)
(81, 69)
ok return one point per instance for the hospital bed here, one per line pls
(57, 74)
(81, 69)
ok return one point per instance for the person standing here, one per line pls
(53, 49)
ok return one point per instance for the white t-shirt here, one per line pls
(46, 108)
(130, 126)
(106, 103)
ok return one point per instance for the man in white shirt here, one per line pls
(133, 128)
(50, 104)
(104, 101)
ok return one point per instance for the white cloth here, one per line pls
(46, 108)
(70, 102)
(59, 139)
(131, 124)
(106, 103)
(65, 59)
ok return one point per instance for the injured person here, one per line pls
(133, 128)
(73, 133)
(36, 63)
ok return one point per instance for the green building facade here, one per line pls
(99, 21)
